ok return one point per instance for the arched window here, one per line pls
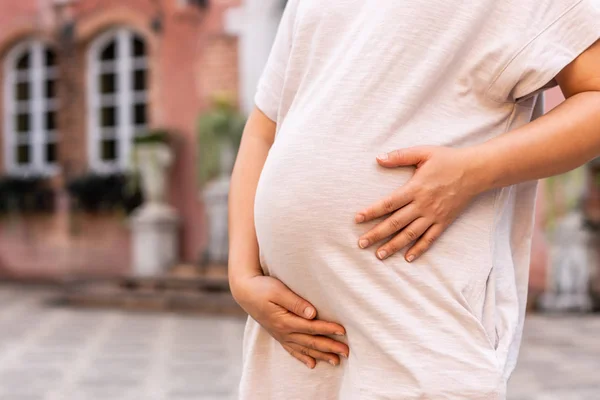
(118, 100)
(30, 104)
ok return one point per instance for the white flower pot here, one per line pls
(155, 224)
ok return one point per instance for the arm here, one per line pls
(286, 316)
(243, 255)
(447, 179)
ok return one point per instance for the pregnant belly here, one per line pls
(305, 205)
(304, 214)
(307, 198)
(393, 311)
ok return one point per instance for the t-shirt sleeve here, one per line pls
(271, 82)
(558, 42)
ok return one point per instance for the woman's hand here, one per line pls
(290, 320)
(422, 209)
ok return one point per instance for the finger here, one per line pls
(424, 243)
(320, 343)
(404, 157)
(408, 235)
(316, 327)
(289, 300)
(394, 223)
(385, 206)
(330, 358)
(304, 359)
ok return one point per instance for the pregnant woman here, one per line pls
(382, 200)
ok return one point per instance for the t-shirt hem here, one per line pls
(266, 102)
(263, 101)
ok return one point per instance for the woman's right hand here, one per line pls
(290, 320)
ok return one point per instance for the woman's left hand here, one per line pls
(422, 209)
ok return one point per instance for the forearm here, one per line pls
(558, 142)
(244, 253)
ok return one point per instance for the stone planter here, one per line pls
(215, 196)
(153, 161)
(569, 275)
(155, 224)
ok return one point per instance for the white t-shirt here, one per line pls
(347, 80)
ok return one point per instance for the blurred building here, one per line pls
(82, 78)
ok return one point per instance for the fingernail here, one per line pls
(309, 366)
(340, 334)
(308, 312)
(363, 243)
(383, 156)
(359, 218)
(410, 258)
(344, 355)
(382, 254)
(332, 362)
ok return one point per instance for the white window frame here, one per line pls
(123, 66)
(38, 106)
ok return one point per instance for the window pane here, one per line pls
(50, 58)
(23, 61)
(110, 51)
(139, 47)
(50, 120)
(139, 80)
(109, 150)
(108, 83)
(50, 89)
(23, 91)
(108, 117)
(140, 114)
(23, 154)
(51, 153)
(22, 122)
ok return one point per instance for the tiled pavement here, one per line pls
(559, 359)
(54, 353)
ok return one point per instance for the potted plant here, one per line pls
(567, 232)
(94, 193)
(155, 224)
(26, 194)
(219, 135)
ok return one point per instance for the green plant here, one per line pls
(157, 136)
(93, 193)
(222, 125)
(25, 194)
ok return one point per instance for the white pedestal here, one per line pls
(569, 276)
(215, 197)
(155, 230)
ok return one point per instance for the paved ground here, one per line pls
(53, 353)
